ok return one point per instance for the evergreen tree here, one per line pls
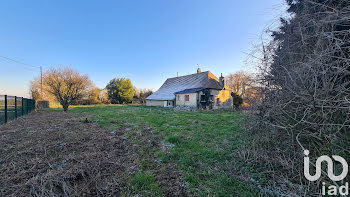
(120, 91)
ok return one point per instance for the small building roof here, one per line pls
(174, 85)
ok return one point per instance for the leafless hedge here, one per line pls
(305, 80)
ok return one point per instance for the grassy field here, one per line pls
(202, 145)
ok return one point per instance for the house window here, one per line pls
(210, 98)
(202, 98)
(187, 97)
(217, 101)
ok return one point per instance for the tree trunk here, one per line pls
(65, 107)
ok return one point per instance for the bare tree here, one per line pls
(244, 84)
(142, 94)
(239, 82)
(103, 97)
(37, 93)
(66, 85)
(34, 89)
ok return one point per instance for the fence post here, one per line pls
(16, 107)
(5, 108)
(26, 105)
(22, 106)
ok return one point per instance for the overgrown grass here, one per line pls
(203, 146)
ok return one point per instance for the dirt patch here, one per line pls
(57, 154)
(52, 153)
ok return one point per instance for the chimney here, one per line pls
(199, 70)
(222, 81)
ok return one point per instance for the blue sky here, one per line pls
(144, 40)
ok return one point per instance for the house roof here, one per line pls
(194, 81)
(193, 90)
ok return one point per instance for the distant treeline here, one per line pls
(69, 87)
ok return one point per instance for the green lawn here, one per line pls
(202, 145)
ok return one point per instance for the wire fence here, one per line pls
(12, 107)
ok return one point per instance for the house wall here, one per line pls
(224, 96)
(155, 103)
(180, 100)
(225, 99)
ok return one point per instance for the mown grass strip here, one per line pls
(204, 144)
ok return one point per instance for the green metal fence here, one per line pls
(12, 107)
